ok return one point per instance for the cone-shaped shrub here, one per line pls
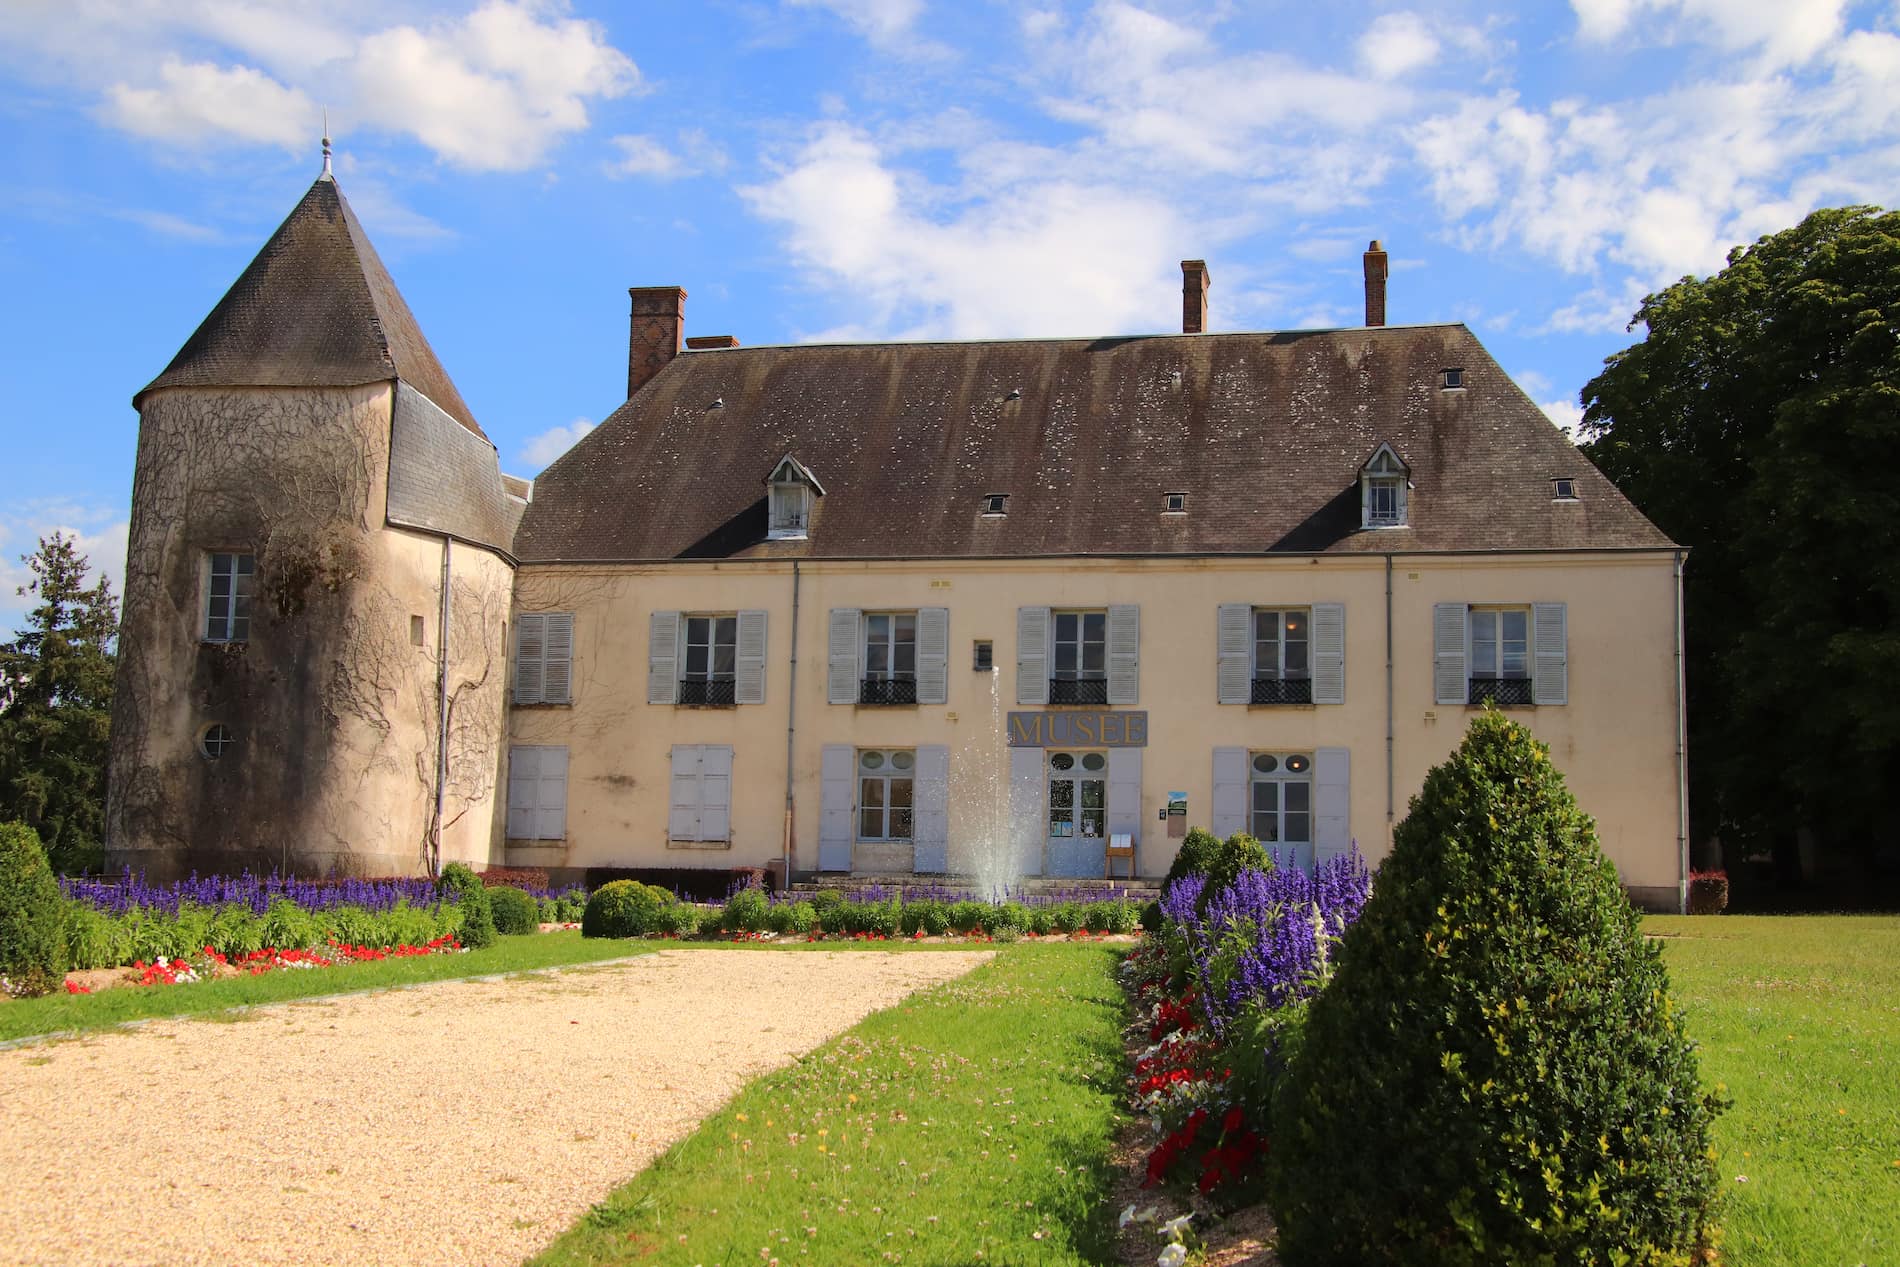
(1496, 1073)
(31, 913)
(471, 897)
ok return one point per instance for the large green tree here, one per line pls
(55, 706)
(1758, 423)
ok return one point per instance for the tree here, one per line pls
(56, 704)
(1758, 423)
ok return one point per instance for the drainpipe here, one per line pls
(1389, 776)
(1682, 755)
(441, 715)
(791, 727)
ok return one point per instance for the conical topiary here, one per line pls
(31, 911)
(1496, 1073)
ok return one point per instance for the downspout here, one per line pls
(1390, 805)
(791, 727)
(441, 715)
(1682, 754)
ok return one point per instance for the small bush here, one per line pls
(1239, 852)
(682, 919)
(31, 913)
(1118, 915)
(826, 899)
(1496, 1073)
(968, 916)
(1042, 920)
(747, 911)
(1008, 919)
(1151, 917)
(514, 912)
(884, 917)
(927, 917)
(626, 908)
(471, 899)
(1196, 852)
(794, 917)
(1066, 917)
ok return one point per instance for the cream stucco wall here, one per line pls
(1615, 740)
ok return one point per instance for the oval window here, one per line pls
(1063, 761)
(1093, 761)
(216, 740)
(1298, 763)
(903, 760)
(872, 761)
(1266, 763)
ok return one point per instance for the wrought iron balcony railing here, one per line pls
(1273, 690)
(888, 690)
(1505, 692)
(1086, 690)
(707, 692)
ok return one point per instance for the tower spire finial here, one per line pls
(326, 143)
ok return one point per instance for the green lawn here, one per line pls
(971, 1123)
(1799, 1017)
(60, 1014)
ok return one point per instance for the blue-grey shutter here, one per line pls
(930, 823)
(1233, 647)
(1228, 813)
(1332, 803)
(841, 656)
(682, 814)
(558, 671)
(1124, 793)
(530, 652)
(1032, 655)
(1124, 654)
(1550, 637)
(550, 803)
(933, 655)
(1449, 683)
(1329, 653)
(1028, 807)
(837, 805)
(524, 780)
(715, 792)
(748, 685)
(663, 658)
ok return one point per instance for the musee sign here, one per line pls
(1078, 730)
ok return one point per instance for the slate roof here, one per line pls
(444, 478)
(1265, 433)
(316, 308)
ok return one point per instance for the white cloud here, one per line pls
(1533, 382)
(644, 156)
(1566, 414)
(880, 21)
(540, 451)
(1397, 44)
(197, 102)
(1780, 32)
(99, 536)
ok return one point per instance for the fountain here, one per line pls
(988, 845)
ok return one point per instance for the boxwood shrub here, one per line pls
(514, 912)
(31, 914)
(471, 898)
(1496, 1073)
(627, 908)
(747, 911)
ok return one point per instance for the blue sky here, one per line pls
(884, 169)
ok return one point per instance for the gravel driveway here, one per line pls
(458, 1122)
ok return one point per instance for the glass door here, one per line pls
(1078, 813)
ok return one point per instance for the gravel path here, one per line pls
(458, 1122)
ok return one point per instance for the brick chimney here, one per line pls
(710, 342)
(1194, 284)
(1375, 284)
(653, 340)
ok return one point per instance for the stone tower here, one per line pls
(318, 578)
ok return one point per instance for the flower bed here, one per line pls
(209, 962)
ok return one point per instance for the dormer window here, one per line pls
(1453, 379)
(789, 505)
(995, 504)
(1384, 482)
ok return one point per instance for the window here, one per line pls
(1079, 674)
(996, 503)
(1500, 655)
(537, 793)
(709, 669)
(789, 499)
(886, 794)
(415, 631)
(228, 598)
(1383, 485)
(1282, 666)
(890, 658)
(1174, 503)
(1454, 378)
(1078, 795)
(544, 658)
(983, 655)
(1282, 800)
(215, 741)
(1563, 490)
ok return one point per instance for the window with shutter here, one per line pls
(699, 801)
(663, 656)
(1032, 655)
(544, 658)
(537, 792)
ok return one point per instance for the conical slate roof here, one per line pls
(316, 308)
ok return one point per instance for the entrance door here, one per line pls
(1078, 813)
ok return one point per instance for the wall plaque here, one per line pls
(1078, 730)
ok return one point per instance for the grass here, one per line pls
(971, 1123)
(61, 1014)
(1799, 1019)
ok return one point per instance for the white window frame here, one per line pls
(235, 624)
(1495, 613)
(890, 644)
(885, 776)
(1384, 484)
(1282, 778)
(790, 511)
(711, 644)
(1253, 643)
(1077, 774)
(1080, 643)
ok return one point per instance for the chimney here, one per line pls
(1194, 284)
(710, 342)
(653, 340)
(1375, 284)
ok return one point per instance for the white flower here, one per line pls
(1174, 1228)
(1128, 1216)
(1173, 1256)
